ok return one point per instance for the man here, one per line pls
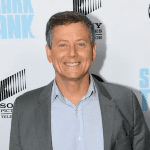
(76, 111)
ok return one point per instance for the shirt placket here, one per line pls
(80, 136)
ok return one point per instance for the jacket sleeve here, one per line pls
(141, 138)
(15, 143)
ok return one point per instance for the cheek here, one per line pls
(88, 56)
(61, 55)
(57, 57)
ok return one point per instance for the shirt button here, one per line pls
(77, 111)
(80, 138)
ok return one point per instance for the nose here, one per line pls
(72, 51)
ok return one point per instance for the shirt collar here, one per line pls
(56, 92)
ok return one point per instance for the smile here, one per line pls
(72, 64)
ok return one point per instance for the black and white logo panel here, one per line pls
(12, 85)
(86, 6)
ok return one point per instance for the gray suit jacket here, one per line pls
(124, 127)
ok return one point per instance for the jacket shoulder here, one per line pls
(29, 99)
(117, 90)
(123, 97)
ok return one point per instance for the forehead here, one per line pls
(70, 29)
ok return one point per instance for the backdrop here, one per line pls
(122, 29)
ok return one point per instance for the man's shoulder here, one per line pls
(115, 89)
(121, 96)
(112, 88)
(33, 92)
(118, 93)
(30, 98)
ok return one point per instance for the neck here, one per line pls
(73, 89)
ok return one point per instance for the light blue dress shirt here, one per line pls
(76, 127)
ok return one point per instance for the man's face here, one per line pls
(71, 52)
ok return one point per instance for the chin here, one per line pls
(71, 76)
(74, 76)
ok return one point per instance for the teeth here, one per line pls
(71, 64)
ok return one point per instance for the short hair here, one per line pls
(68, 17)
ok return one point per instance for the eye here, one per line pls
(81, 44)
(62, 45)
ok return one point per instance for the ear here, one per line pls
(48, 53)
(94, 51)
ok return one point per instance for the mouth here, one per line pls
(72, 64)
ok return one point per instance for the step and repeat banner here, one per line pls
(122, 32)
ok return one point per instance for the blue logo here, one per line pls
(15, 19)
(144, 85)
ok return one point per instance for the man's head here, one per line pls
(70, 47)
(68, 17)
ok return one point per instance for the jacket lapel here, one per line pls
(43, 118)
(107, 107)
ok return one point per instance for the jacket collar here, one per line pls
(46, 91)
(102, 90)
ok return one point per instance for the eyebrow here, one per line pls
(61, 41)
(68, 41)
(81, 40)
